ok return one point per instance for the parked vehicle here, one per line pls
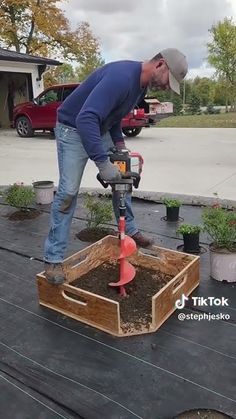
(134, 121)
(40, 113)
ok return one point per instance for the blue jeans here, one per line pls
(72, 159)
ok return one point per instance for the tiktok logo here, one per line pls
(181, 302)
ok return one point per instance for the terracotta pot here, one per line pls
(222, 264)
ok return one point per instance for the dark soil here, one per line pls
(202, 414)
(136, 308)
(21, 215)
(95, 234)
(222, 249)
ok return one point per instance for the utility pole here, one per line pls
(184, 94)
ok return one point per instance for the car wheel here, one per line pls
(24, 127)
(131, 132)
(52, 133)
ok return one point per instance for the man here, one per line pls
(89, 123)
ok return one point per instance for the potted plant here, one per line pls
(21, 197)
(190, 235)
(99, 212)
(220, 224)
(172, 208)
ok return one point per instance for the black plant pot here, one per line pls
(191, 243)
(172, 213)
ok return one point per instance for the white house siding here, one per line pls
(18, 67)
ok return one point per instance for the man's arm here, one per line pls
(116, 133)
(109, 93)
(116, 130)
(117, 136)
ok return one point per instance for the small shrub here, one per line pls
(20, 196)
(100, 211)
(211, 110)
(220, 224)
(170, 203)
(188, 229)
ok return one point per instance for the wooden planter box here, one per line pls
(104, 313)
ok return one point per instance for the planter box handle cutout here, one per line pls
(178, 283)
(75, 298)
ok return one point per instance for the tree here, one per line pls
(92, 58)
(161, 95)
(177, 104)
(194, 104)
(186, 87)
(220, 93)
(62, 74)
(204, 89)
(90, 64)
(222, 55)
(39, 27)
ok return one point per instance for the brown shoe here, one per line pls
(54, 273)
(142, 241)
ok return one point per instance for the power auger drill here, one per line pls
(130, 166)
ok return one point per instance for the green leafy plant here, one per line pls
(170, 203)
(220, 224)
(211, 110)
(99, 211)
(177, 104)
(194, 104)
(20, 196)
(188, 229)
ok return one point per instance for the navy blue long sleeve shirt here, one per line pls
(100, 102)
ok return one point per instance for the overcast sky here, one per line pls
(138, 29)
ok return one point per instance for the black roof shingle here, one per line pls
(7, 55)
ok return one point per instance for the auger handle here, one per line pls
(134, 176)
(126, 178)
(103, 183)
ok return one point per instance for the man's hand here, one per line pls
(108, 171)
(120, 145)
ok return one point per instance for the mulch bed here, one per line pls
(21, 215)
(136, 308)
(94, 234)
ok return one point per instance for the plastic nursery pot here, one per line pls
(191, 243)
(44, 191)
(172, 213)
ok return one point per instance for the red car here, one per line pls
(40, 113)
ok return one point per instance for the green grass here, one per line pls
(223, 120)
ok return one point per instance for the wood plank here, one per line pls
(162, 259)
(163, 303)
(81, 305)
(89, 258)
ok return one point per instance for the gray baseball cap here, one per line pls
(178, 67)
